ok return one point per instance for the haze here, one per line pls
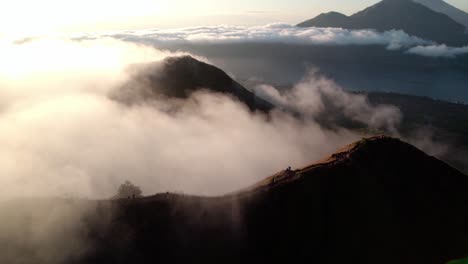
(27, 17)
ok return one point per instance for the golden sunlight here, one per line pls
(22, 18)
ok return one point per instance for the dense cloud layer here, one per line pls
(274, 33)
(283, 33)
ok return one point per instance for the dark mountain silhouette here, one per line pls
(443, 7)
(414, 18)
(179, 77)
(379, 200)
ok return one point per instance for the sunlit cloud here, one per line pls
(274, 33)
(288, 34)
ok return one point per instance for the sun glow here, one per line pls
(55, 55)
(22, 18)
(58, 66)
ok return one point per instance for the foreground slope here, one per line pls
(445, 123)
(379, 200)
(411, 17)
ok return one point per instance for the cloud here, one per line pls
(317, 97)
(438, 51)
(284, 33)
(278, 33)
(273, 33)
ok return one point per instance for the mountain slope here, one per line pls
(379, 200)
(330, 19)
(446, 123)
(413, 18)
(445, 8)
(179, 77)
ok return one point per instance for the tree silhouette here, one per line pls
(128, 190)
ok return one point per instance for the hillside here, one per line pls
(411, 17)
(443, 122)
(443, 7)
(379, 200)
(179, 77)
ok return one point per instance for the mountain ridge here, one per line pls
(341, 155)
(443, 7)
(371, 201)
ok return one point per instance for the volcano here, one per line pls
(445, 8)
(412, 17)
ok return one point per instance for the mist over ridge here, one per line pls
(269, 143)
(68, 114)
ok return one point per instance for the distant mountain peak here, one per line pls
(443, 7)
(407, 15)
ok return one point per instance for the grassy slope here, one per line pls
(379, 200)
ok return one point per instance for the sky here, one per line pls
(33, 17)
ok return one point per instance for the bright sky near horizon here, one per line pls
(33, 17)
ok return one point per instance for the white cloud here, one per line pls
(275, 33)
(438, 51)
(316, 97)
(284, 33)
